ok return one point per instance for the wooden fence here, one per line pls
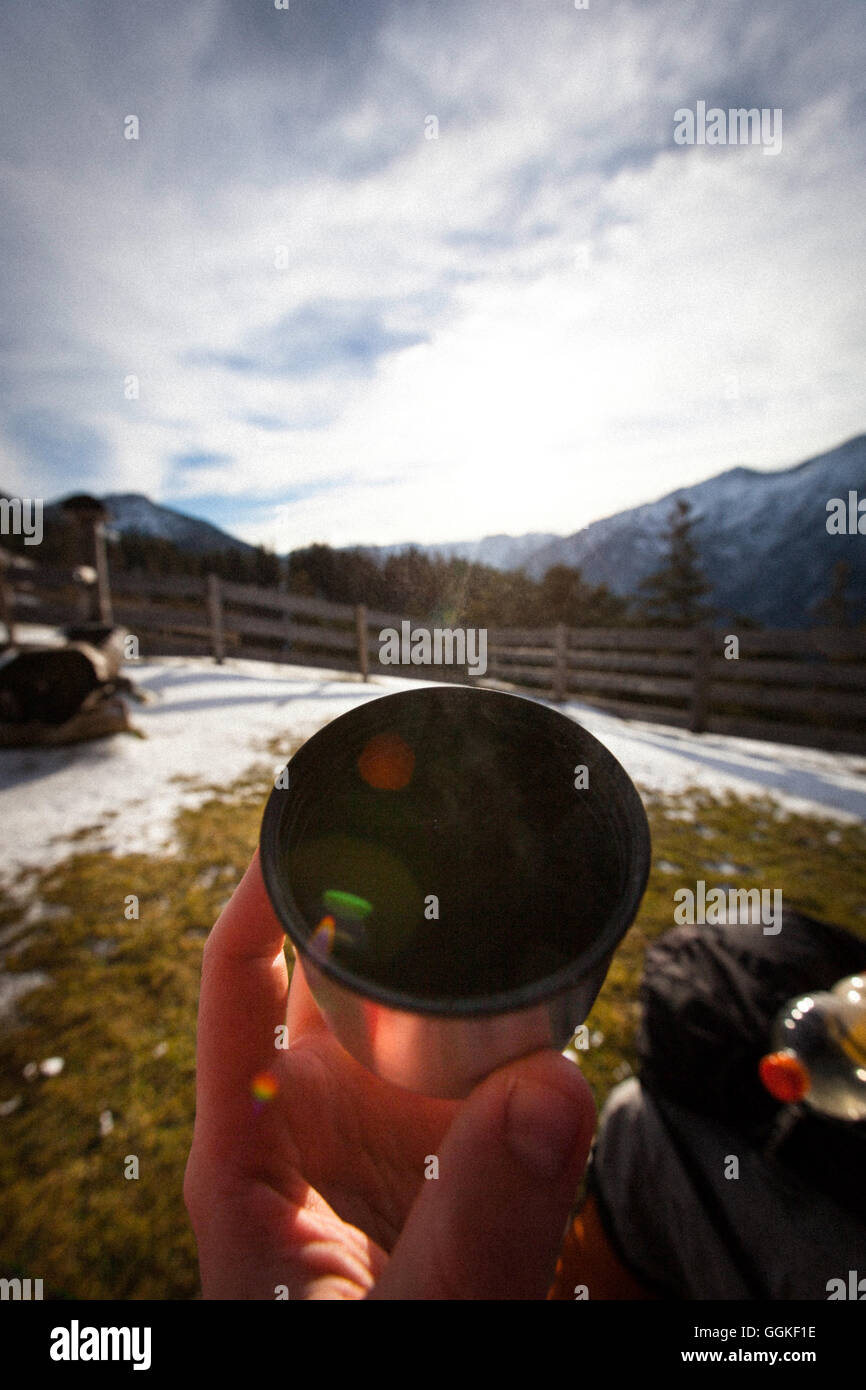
(796, 687)
(806, 687)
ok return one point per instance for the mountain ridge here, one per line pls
(761, 536)
(764, 544)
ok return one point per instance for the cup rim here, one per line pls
(526, 996)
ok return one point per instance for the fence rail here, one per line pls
(801, 687)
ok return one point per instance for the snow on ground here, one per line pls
(666, 759)
(209, 724)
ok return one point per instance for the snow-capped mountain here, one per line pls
(762, 538)
(500, 552)
(132, 511)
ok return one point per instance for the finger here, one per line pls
(304, 1015)
(252, 1241)
(244, 995)
(491, 1225)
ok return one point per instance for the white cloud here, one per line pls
(551, 391)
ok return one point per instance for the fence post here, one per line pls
(103, 584)
(89, 514)
(361, 626)
(7, 600)
(215, 611)
(703, 654)
(560, 664)
(283, 588)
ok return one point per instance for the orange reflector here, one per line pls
(387, 762)
(784, 1076)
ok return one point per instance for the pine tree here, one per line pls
(837, 609)
(267, 568)
(673, 595)
(564, 596)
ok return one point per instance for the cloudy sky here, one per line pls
(344, 329)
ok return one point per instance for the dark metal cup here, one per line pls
(455, 867)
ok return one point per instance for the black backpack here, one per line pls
(709, 995)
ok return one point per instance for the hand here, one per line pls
(322, 1188)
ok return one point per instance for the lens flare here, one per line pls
(343, 925)
(322, 940)
(387, 762)
(264, 1086)
(347, 904)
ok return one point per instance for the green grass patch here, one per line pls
(121, 1011)
(820, 866)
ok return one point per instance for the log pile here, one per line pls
(68, 694)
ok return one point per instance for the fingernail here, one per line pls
(543, 1125)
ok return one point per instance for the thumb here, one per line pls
(491, 1225)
